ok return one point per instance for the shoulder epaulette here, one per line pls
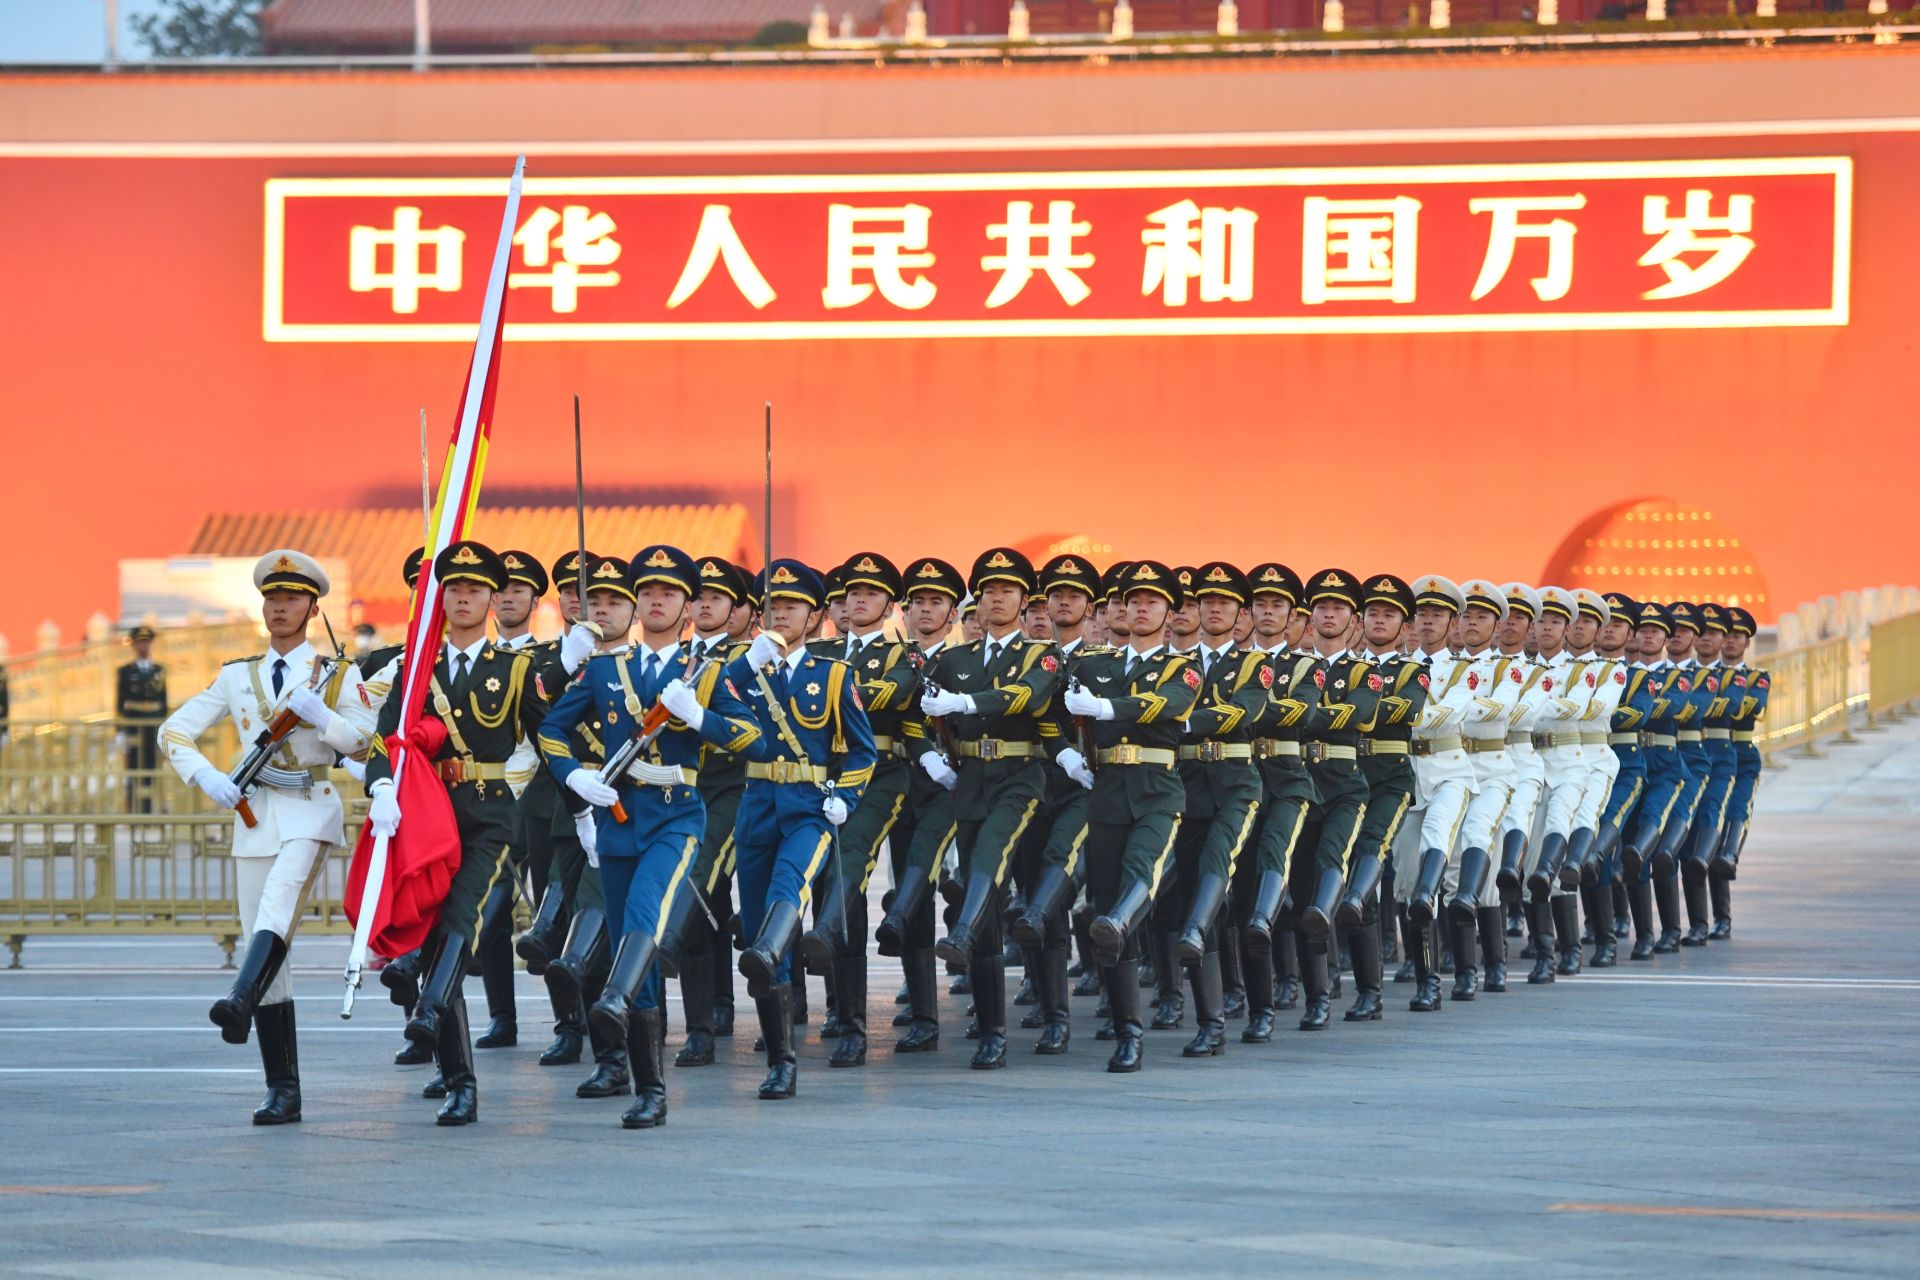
(231, 661)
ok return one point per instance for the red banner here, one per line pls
(1398, 249)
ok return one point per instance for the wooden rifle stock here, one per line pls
(276, 732)
(651, 726)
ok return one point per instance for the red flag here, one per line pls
(395, 886)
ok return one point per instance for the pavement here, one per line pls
(1750, 1108)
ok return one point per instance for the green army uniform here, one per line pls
(1134, 811)
(140, 703)
(492, 714)
(1007, 686)
(1287, 799)
(1386, 761)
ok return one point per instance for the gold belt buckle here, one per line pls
(1315, 752)
(1125, 753)
(453, 771)
(1210, 752)
(989, 748)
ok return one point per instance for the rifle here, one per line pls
(651, 726)
(255, 763)
(1083, 731)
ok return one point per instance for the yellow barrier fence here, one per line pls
(1809, 695)
(77, 682)
(1893, 679)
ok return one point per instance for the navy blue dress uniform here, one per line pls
(140, 704)
(815, 746)
(1667, 781)
(1000, 691)
(1287, 795)
(1689, 718)
(1717, 760)
(644, 860)
(1386, 762)
(491, 707)
(1222, 802)
(1053, 848)
(1750, 687)
(888, 679)
(707, 999)
(1625, 730)
(920, 836)
(1347, 694)
(1138, 700)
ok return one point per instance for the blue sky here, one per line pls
(65, 30)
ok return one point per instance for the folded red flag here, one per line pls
(422, 855)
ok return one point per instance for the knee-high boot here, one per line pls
(646, 1047)
(233, 1012)
(1211, 1038)
(280, 1056)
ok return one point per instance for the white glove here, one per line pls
(1074, 765)
(577, 646)
(836, 810)
(586, 784)
(583, 827)
(939, 770)
(311, 707)
(218, 786)
(356, 769)
(1081, 703)
(683, 704)
(942, 703)
(384, 813)
(765, 650)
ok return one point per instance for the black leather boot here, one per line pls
(1316, 918)
(1363, 877)
(990, 1011)
(401, 976)
(1208, 1004)
(1693, 875)
(280, 1055)
(1191, 944)
(1720, 893)
(1233, 982)
(566, 973)
(1666, 896)
(1513, 855)
(1546, 872)
(1493, 949)
(776, 1028)
(1575, 865)
(723, 942)
(493, 956)
(1475, 867)
(1123, 989)
(1566, 926)
(760, 962)
(907, 902)
(1640, 904)
(828, 937)
(687, 932)
(1405, 973)
(233, 1012)
(1258, 966)
(608, 1016)
(1286, 968)
(1109, 932)
(437, 995)
(850, 1002)
(1426, 998)
(1466, 978)
(1619, 897)
(456, 1066)
(1539, 918)
(1363, 948)
(1029, 992)
(611, 1076)
(1056, 1031)
(957, 946)
(923, 1003)
(696, 1005)
(1424, 903)
(547, 934)
(412, 1055)
(1051, 898)
(569, 1032)
(1313, 977)
(1599, 903)
(646, 1046)
(1170, 1001)
(1267, 896)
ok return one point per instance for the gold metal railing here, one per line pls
(77, 682)
(1808, 699)
(1893, 675)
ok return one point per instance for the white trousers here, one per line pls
(273, 896)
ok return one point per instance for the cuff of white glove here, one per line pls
(380, 786)
(695, 718)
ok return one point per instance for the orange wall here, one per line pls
(139, 394)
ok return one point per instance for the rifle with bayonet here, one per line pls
(255, 766)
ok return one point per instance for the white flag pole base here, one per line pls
(363, 928)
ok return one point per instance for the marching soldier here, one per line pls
(888, 681)
(1718, 760)
(1386, 762)
(140, 704)
(1751, 689)
(287, 822)
(1667, 778)
(722, 616)
(1569, 686)
(649, 821)
(1696, 694)
(1608, 902)
(1222, 790)
(1137, 700)
(926, 824)
(808, 768)
(1513, 640)
(993, 693)
(490, 709)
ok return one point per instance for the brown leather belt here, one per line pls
(461, 769)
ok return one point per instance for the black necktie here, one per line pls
(460, 676)
(279, 675)
(652, 668)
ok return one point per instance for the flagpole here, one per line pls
(459, 493)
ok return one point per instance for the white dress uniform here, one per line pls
(298, 812)
(1495, 684)
(1442, 774)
